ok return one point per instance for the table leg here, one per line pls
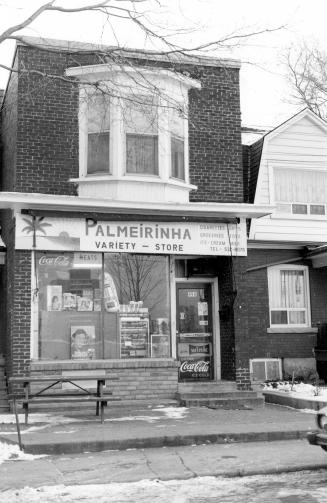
(102, 412)
(99, 394)
(17, 425)
(25, 405)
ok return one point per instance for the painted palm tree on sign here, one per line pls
(34, 225)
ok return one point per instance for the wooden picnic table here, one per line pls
(59, 396)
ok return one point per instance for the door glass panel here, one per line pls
(195, 332)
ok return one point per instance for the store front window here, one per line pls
(95, 306)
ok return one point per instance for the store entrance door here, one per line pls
(195, 331)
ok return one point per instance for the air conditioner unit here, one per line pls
(266, 369)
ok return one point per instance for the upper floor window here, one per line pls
(177, 143)
(98, 133)
(140, 118)
(288, 296)
(300, 191)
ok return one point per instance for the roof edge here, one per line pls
(173, 57)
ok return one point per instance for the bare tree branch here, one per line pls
(307, 76)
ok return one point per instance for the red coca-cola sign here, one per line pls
(54, 261)
(195, 369)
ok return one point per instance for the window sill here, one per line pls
(132, 178)
(292, 330)
(294, 216)
(57, 365)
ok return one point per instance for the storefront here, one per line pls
(122, 291)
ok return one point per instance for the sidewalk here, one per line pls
(154, 426)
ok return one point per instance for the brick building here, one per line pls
(286, 263)
(123, 218)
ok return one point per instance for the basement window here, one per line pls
(265, 369)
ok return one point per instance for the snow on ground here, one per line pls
(173, 412)
(299, 390)
(295, 487)
(10, 452)
(144, 491)
(37, 418)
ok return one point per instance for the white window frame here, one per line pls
(265, 360)
(289, 214)
(285, 267)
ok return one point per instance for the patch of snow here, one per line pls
(9, 452)
(173, 412)
(299, 390)
(38, 418)
(145, 491)
(148, 419)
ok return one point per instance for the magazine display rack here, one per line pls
(134, 335)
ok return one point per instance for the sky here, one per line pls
(265, 93)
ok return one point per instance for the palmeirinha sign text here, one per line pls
(131, 237)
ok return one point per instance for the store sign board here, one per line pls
(88, 235)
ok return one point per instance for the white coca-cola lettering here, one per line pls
(198, 366)
(59, 260)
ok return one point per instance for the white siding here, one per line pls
(300, 143)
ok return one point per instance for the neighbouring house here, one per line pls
(287, 250)
(123, 217)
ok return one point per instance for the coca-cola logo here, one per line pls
(59, 260)
(199, 366)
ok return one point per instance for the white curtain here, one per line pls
(300, 186)
(98, 113)
(286, 289)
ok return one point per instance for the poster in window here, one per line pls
(202, 308)
(159, 346)
(84, 304)
(54, 297)
(69, 302)
(82, 342)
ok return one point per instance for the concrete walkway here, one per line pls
(231, 460)
(156, 426)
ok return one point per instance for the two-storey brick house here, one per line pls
(123, 218)
(287, 266)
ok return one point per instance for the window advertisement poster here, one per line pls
(160, 346)
(54, 297)
(82, 342)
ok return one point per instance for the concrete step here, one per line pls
(218, 395)
(224, 403)
(218, 386)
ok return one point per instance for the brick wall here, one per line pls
(9, 134)
(18, 310)
(226, 317)
(261, 344)
(47, 128)
(137, 380)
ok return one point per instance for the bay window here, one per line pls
(288, 296)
